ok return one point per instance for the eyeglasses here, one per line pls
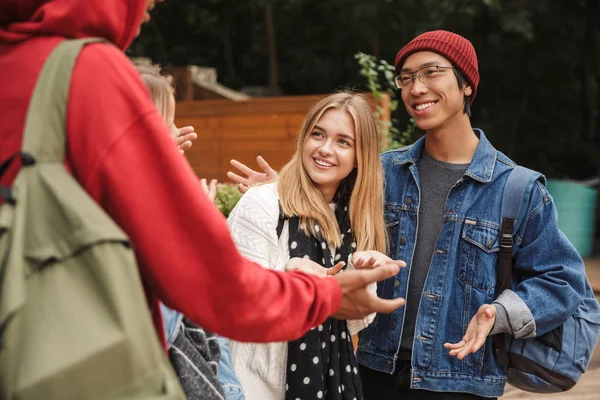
(425, 75)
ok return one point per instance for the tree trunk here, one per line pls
(591, 79)
(273, 71)
(227, 47)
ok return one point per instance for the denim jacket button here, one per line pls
(402, 240)
(396, 283)
(408, 200)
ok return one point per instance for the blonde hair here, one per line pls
(159, 85)
(299, 196)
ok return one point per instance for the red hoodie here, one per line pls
(121, 153)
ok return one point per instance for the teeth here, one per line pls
(421, 107)
(323, 163)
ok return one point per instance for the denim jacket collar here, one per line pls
(481, 168)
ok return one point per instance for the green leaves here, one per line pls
(227, 197)
(379, 75)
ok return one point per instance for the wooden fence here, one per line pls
(245, 129)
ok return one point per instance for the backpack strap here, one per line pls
(515, 199)
(44, 140)
(44, 136)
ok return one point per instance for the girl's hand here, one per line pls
(251, 177)
(183, 137)
(311, 267)
(367, 259)
(210, 189)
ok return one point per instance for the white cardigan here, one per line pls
(253, 222)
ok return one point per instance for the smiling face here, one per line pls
(329, 152)
(439, 102)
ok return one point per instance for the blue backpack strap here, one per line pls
(515, 199)
(517, 190)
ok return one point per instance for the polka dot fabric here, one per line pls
(322, 364)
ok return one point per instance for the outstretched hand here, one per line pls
(370, 259)
(311, 267)
(183, 137)
(478, 330)
(252, 177)
(357, 301)
(209, 188)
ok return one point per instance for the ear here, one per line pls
(468, 90)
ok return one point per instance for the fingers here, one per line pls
(204, 185)
(490, 311)
(185, 146)
(290, 268)
(453, 346)
(271, 173)
(186, 130)
(477, 332)
(336, 268)
(237, 179)
(477, 343)
(385, 306)
(184, 135)
(242, 188)
(360, 279)
(242, 168)
(212, 190)
(188, 137)
(361, 263)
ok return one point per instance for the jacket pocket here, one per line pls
(392, 223)
(478, 259)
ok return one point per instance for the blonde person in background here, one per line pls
(163, 96)
(200, 359)
(324, 211)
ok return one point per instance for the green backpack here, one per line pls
(74, 320)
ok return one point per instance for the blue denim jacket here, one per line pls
(549, 279)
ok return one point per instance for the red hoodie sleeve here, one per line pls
(121, 152)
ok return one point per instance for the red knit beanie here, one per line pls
(455, 48)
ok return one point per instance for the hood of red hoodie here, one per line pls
(117, 21)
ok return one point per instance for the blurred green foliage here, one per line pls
(227, 197)
(539, 96)
(379, 75)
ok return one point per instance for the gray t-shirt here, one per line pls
(436, 178)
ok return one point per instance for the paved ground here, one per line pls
(588, 388)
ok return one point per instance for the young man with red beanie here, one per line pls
(443, 196)
(442, 203)
(119, 150)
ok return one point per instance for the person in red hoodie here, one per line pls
(119, 150)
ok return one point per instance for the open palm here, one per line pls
(479, 328)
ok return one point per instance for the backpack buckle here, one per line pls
(506, 242)
(6, 195)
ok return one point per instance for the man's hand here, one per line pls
(210, 189)
(367, 259)
(252, 177)
(311, 267)
(184, 137)
(357, 302)
(477, 331)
